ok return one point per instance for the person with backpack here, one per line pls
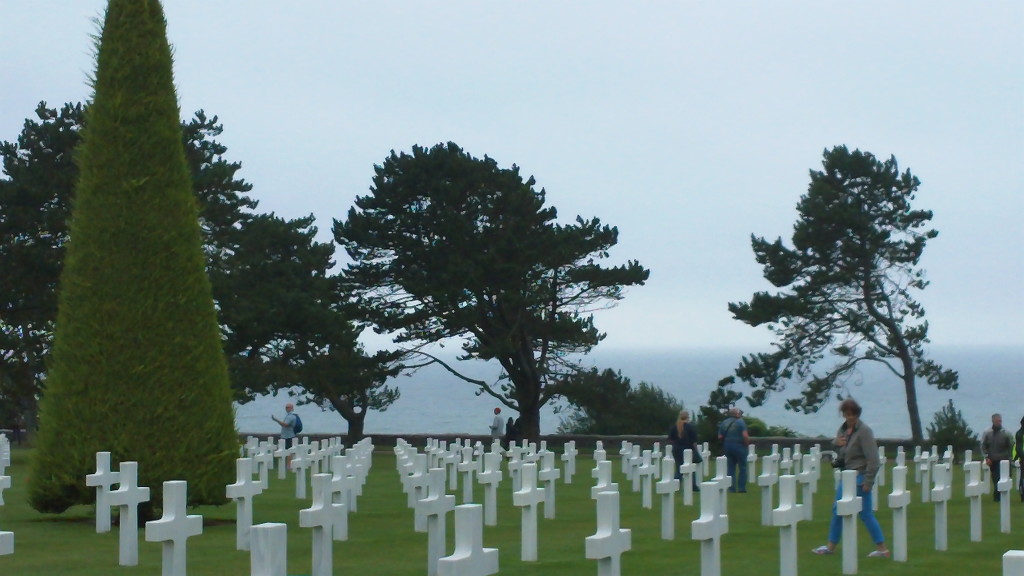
(1018, 455)
(290, 427)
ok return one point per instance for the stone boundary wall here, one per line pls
(611, 443)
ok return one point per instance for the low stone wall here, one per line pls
(587, 443)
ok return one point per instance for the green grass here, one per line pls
(382, 540)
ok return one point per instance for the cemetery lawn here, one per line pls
(382, 540)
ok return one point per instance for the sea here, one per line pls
(433, 401)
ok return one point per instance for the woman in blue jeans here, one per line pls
(856, 449)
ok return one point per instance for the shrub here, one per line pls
(606, 403)
(948, 428)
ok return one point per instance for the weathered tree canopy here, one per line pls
(847, 286)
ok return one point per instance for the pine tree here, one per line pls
(137, 366)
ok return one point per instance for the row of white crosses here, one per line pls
(6, 538)
(334, 495)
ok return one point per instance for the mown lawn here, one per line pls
(382, 540)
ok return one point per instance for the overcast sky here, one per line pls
(688, 125)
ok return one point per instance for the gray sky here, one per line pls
(689, 125)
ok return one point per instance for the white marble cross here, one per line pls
(1003, 489)
(751, 463)
(527, 498)
(806, 479)
(264, 460)
(635, 460)
(667, 487)
(786, 517)
(282, 454)
(917, 464)
(102, 479)
(705, 464)
(569, 457)
(418, 483)
(515, 468)
(128, 496)
(469, 467)
(301, 462)
(470, 558)
(451, 459)
(899, 500)
(924, 475)
(174, 528)
(269, 550)
(435, 508)
(723, 483)
(941, 493)
(786, 462)
(603, 474)
(610, 541)
(849, 506)
(709, 529)
(767, 480)
(321, 517)
(242, 492)
(7, 538)
(599, 452)
(489, 479)
(548, 474)
(974, 490)
(687, 470)
(646, 472)
(626, 452)
(342, 484)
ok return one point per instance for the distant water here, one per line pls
(433, 401)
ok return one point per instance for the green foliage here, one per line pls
(848, 283)
(758, 428)
(137, 366)
(606, 403)
(948, 428)
(451, 246)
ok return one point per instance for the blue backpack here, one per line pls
(297, 427)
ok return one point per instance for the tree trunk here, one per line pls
(355, 427)
(913, 411)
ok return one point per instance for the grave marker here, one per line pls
(786, 517)
(687, 471)
(709, 529)
(548, 474)
(667, 487)
(128, 496)
(569, 457)
(321, 517)
(925, 476)
(899, 500)
(434, 508)
(599, 452)
(645, 472)
(527, 498)
(490, 478)
(610, 541)
(974, 489)
(341, 486)
(1013, 563)
(242, 492)
(470, 557)
(174, 528)
(468, 467)
(751, 464)
(1003, 490)
(102, 479)
(848, 506)
(941, 493)
(767, 480)
(603, 474)
(269, 550)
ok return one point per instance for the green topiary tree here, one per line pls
(137, 366)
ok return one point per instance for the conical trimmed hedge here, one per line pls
(137, 366)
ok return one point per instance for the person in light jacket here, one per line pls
(856, 449)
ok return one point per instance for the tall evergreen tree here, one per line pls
(137, 366)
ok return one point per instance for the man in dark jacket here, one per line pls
(1018, 450)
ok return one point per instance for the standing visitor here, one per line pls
(1018, 450)
(496, 425)
(287, 429)
(996, 445)
(732, 433)
(683, 436)
(856, 449)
